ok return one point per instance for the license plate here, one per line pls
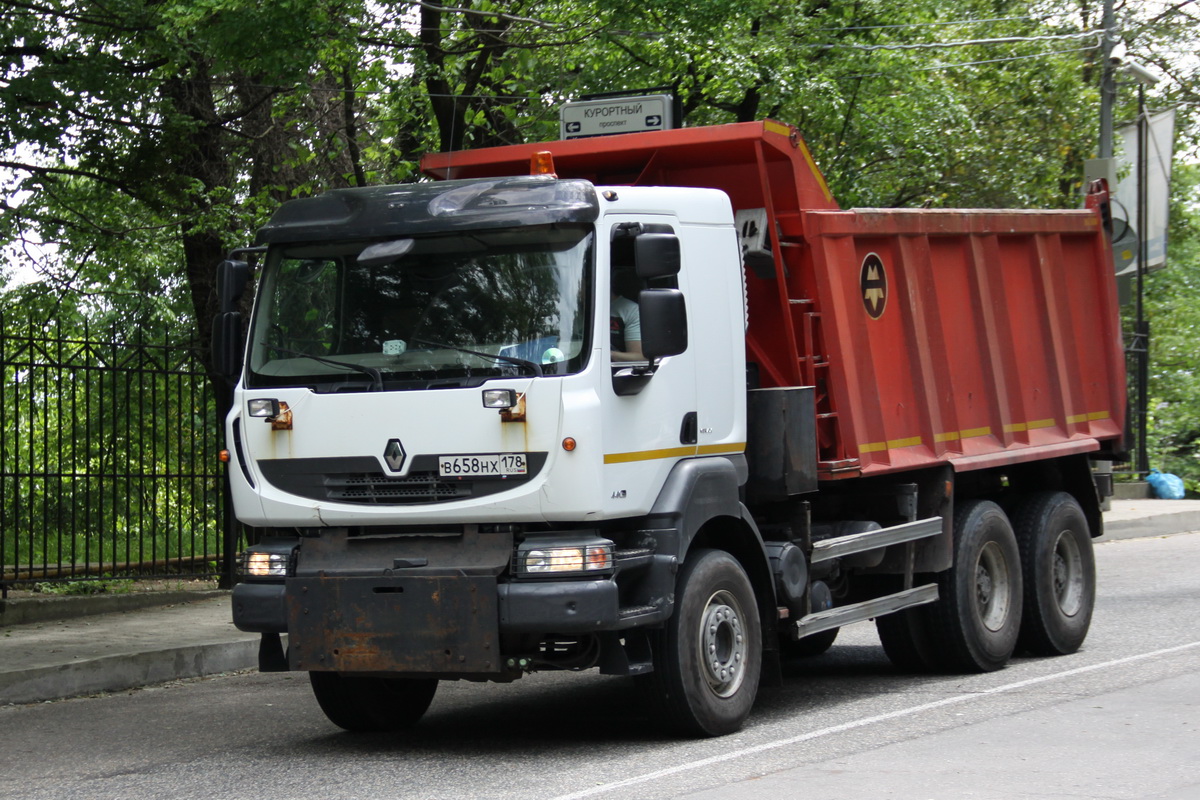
(494, 465)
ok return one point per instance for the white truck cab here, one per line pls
(394, 373)
(452, 476)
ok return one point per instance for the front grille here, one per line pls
(359, 480)
(424, 487)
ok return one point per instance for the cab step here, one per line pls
(842, 546)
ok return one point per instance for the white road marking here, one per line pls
(860, 723)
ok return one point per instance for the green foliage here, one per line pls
(150, 137)
(896, 111)
(144, 141)
(1171, 305)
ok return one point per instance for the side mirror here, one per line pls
(232, 277)
(664, 322)
(656, 255)
(227, 344)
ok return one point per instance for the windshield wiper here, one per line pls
(374, 374)
(520, 362)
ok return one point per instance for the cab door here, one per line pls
(649, 421)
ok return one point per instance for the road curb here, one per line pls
(126, 671)
(1153, 525)
(30, 610)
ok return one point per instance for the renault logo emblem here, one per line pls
(393, 454)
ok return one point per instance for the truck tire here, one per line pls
(1059, 573)
(977, 616)
(708, 656)
(905, 640)
(809, 646)
(372, 704)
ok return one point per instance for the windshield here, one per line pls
(429, 312)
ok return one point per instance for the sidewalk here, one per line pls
(123, 650)
(120, 650)
(1131, 519)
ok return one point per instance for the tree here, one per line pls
(1171, 295)
(142, 133)
(936, 103)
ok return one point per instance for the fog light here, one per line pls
(265, 565)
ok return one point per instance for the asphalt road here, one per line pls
(1120, 719)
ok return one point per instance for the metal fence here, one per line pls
(109, 458)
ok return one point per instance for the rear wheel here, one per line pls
(1059, 571)
(708, 657)
(372, 704)
(978, 612)
(809, 646)
(905, 640)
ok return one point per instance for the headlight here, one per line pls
(265, 565)
(538, 558)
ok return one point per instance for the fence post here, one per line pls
(229, 546)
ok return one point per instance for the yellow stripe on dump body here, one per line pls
(971, 433)
(891, 444)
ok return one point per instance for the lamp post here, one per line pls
(1108, 82)
(1141, 332)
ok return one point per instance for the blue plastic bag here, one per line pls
(1165, 485)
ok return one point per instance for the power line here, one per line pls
(967, 43)
(1173, 10)
(933, 24)
(940, 68)
(944, 67)
(497, 14)
(337, 90)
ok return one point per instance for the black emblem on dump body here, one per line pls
(393, 454)
(873, 281)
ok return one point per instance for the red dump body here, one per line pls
(974, 337)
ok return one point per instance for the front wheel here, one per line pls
(372, 704)
(708, 657)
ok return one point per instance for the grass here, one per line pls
(72, 588)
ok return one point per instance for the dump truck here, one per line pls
(653, 404)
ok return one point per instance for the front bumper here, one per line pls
(425, 624)
(559, 607)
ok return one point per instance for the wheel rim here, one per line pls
(993, 588)
(723, 644)
(1068, 574)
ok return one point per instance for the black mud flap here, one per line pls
(425, 624)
